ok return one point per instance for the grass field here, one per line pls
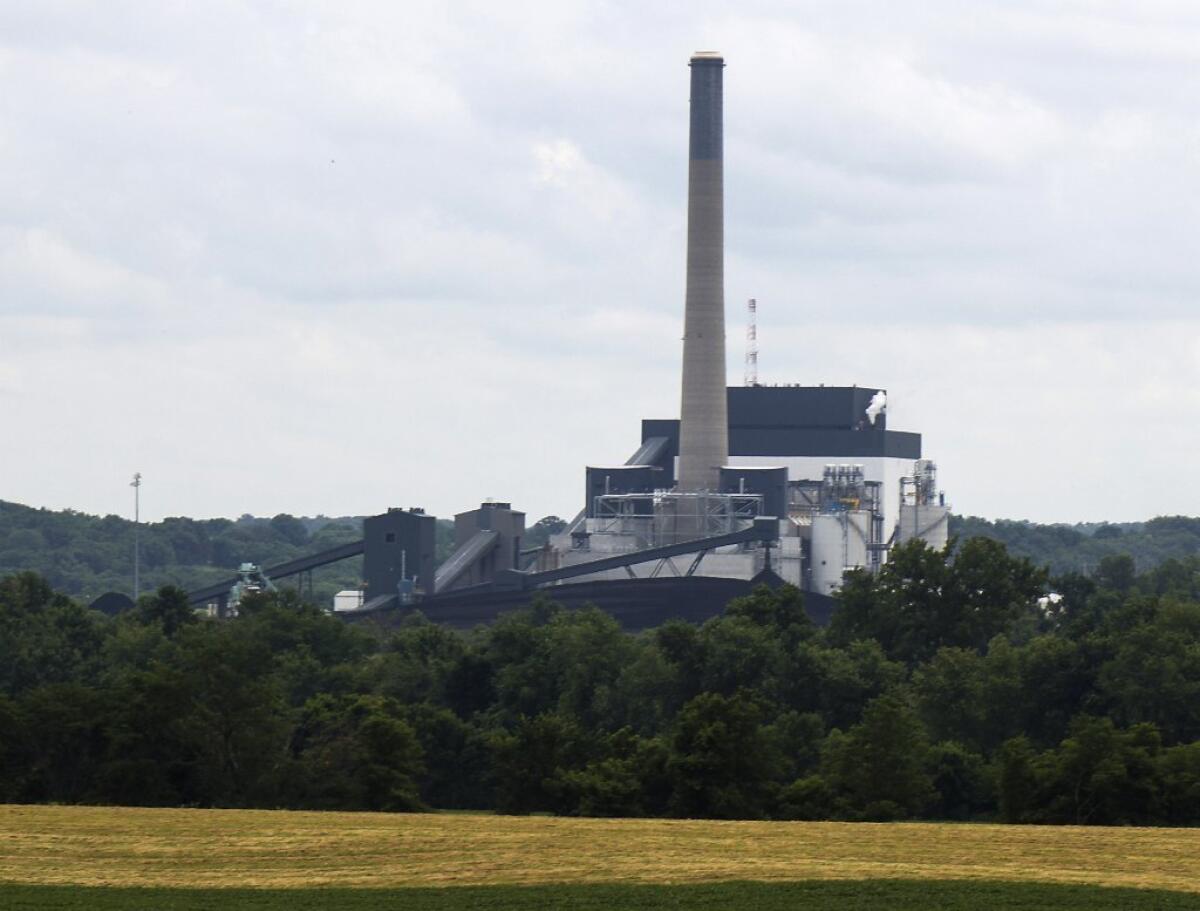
(89, 857)
(869, 895)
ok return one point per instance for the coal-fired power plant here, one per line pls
(756, 484)
(703, 422)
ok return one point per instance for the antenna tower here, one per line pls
(136, 484)
(751, 377)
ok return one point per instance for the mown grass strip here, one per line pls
(863, 895)
(214, 849)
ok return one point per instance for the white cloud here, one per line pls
(41, 272)
(1053, 422)
(318, 258)
(557, 162)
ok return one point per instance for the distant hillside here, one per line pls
(84, 556)
(1081, 547)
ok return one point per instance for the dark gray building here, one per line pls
(398, 554)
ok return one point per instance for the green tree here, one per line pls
(780, 610)
(543, 529)
(45, 637)
(1101, 775)
(531, 761)
(357, 753)
(14, 758)
(949, 689)
(289, 528)
(960, 781)
(631, 778)
(879, 766)
(1179, 772)
(923, 600)
(458, 763)
(797, 738)
(154, 755)
(810, 797)
(723, 764)
(416, 662)
(585, 652)
(1017, 780)
(167, 608)
(1153, 674)
(1055, 685)
(679, 644)
(839, 682)
(237, 713)
(67, 741)
(1116, 572)
(647, 693)
(740, 654)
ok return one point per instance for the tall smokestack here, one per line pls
(703, 423)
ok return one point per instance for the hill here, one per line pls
(84, 556)
(1080, 548)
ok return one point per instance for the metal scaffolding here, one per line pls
(670, 516)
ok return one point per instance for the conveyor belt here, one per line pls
(281, 570)
(477, 546)
(650, 451)
(763, 529)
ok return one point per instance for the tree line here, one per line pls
(86, 556)
(1081, 547)
(950, 685)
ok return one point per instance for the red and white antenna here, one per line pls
(751, 377)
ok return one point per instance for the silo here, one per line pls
(929, 522)
(839, 543)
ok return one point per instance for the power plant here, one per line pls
(750, 484)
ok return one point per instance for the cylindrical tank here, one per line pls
(839, 543)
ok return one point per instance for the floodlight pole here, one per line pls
(136, 484)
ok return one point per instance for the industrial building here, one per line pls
(750, 484)
(844, 488)
(819, 461)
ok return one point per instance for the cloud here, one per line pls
(318, 258)
(41, 272)
(557, 162)
(1056, 422)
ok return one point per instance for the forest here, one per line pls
(948, 686)
(1080, 547)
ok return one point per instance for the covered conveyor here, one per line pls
(765, 529)
(219, 590)
(480, 545)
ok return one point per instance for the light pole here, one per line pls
(136, 484)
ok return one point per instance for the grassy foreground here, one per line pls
(100, 857)
(869, 895)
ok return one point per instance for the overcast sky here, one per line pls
(335, 257)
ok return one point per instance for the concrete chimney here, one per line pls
(703, 422)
